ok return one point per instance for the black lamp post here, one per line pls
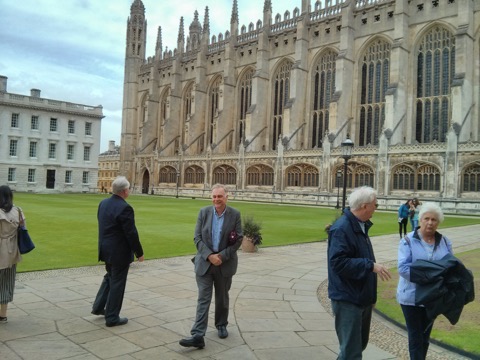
(339, 175)
(347, 148)
(178, 178)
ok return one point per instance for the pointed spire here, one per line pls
(181, 32)
(206, 22)
(234, 13)
(159, 46)
(267, 6)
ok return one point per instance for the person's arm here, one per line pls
(200, 243)
(404, 259)
(127, 219)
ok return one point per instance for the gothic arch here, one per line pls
(260, 175)
(374, 78)
(358, 174)
(194, 174)
(224, 174)
(215, 90)
(302, 175)
(186, 110)
(322, 84)
(280, 86)
(167, 174)
(470, 177)
(415, 176)
(244, 91)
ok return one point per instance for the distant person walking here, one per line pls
(10, 219)
(415, 218)
(352, 273)
(118, 241)
(403, 213)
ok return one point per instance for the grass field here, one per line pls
(64, 226)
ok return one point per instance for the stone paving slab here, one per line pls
(275, 310)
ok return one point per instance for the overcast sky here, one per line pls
(74, 50)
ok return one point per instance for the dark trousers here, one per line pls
(419, 328)
(352, 324)
(111, 292)
(403, 224)
(212, 279)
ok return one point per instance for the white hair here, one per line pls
(431, 207)
(119, 184)
(360, 196)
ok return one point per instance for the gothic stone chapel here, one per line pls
(265, 107)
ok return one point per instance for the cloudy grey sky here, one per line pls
(74, 50)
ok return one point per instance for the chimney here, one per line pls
(111, 145)
(3, 83)
(35, 93)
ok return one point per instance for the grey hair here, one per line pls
(220, 186)
(360, 196)
(431, 207)
(119, 184)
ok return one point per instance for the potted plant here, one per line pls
(252, 237)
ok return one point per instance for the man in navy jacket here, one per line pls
(118, 241)
(352, 273)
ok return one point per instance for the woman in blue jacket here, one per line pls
(425, 243)
(403, 213)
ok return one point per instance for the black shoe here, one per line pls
(194, 341)
(121, 321)
(99, 313)
(222, 332)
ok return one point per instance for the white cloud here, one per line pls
(74, 50)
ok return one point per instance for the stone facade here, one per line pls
(48, 145)
(108, 167)
(265, 107)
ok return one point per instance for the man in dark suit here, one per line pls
(118, 241)
(218, 235)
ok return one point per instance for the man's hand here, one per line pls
(215, 259)
(382, 271)
(141, 258)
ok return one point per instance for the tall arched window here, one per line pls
(213, 99)
(164, 106)
(323, 90)
(374, 84)
(260, 175)
(471, 178)
(357, 175)
(281, 94)
(168, 174)
(245, 93)
(435, 71)
(302, 175)
(225, 174)
(187, 110)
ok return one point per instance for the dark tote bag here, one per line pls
(25, 243)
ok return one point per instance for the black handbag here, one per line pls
(25, 243)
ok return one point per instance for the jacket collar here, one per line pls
(355, 221)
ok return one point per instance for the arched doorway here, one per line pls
(145, 182)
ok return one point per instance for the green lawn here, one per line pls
(64, 226)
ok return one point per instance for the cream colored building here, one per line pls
(48, 145)
(264, 107)
(108, 167)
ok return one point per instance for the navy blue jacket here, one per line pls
(350, 262)
(118, 238)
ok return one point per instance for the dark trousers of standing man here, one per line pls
(205, 283)
(419, 329)
(352, 324)
(111, 292)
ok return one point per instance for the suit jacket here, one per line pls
(117, 235)
(203, 241)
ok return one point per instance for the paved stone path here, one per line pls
(275, 314)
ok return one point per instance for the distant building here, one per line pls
(108, 167)
(48, 145)
(264, 107)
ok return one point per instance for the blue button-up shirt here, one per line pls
(217, 224)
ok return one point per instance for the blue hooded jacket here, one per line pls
(350, 262)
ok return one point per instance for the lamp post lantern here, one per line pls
(339, 175)
(178, 178)
(347, 148)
